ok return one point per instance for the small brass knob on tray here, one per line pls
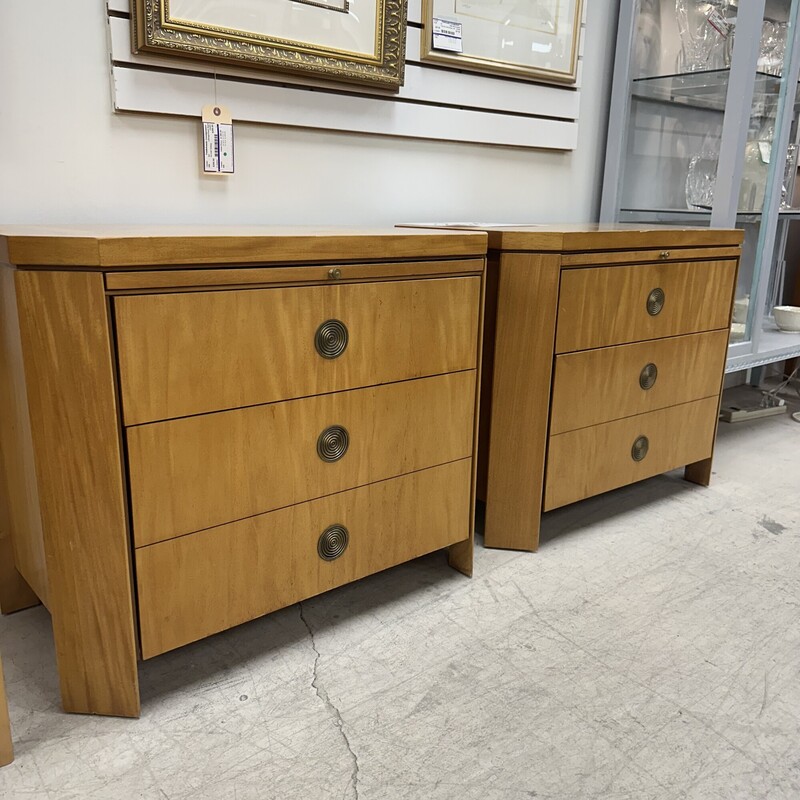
(334, 273)
(332, 443)
(664, 254)
(655, 302)
(639, 448)
(648, 375)
(331, 338)
(333, 542)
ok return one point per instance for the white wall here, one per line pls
(66, 157)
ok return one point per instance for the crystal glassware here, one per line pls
(700, 179)
(704, 28)
(754, 175)
(789, 175)
(773, 47)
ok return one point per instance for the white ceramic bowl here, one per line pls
(787, 318)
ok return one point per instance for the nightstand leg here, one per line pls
(527, 299)
(6, 747)
(699, 472)
(459, 557)
(69, 371)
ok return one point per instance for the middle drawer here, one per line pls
(595, 386)
(196, 472)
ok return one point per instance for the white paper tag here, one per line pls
(447, 35)
(217, 140)
(765, 148)
(718, 22)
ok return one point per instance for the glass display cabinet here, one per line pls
(704, 130)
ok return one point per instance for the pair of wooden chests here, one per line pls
(201, 426)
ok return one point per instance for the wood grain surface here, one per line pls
(196, 585)
(190, 278)
(461, 555)
(196, 472)
(523, 355)
(646, 256)
(6, 746)
(23, 571)
(608, 305)
(595, 386)
(700, 472)
(182, 354)
(66, 342)
(592, 460)
(592, 237)
(154, 246)
(15, 592)
(491, 277)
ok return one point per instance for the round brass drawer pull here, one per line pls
(331, 338)
(664, 254)
(332, 443)
(334, 273)
(655, 302)
(648, 375)
(333, 542)
(640, 448)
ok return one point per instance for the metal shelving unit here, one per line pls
(735, 118)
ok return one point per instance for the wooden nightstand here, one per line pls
(603, 362)
(225, 422)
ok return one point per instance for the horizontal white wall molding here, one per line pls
(435, 102)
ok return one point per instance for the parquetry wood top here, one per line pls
(112, 246)
(596, 236)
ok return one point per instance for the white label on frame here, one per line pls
(447, 35)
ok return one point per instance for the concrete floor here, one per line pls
(651, 649)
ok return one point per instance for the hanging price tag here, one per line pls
(217, 140)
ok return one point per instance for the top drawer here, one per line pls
(195, 352)
(602, 306)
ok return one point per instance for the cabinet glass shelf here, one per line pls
(694, 216)
(700, 89)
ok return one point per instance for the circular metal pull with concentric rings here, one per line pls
(648, 375)
(332, 443)
(640, 448)
(655, 302)
(331, 338)
(333, 542)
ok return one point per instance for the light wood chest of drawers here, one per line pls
(603, 362)
(200, 427)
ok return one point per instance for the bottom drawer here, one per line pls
(592, 460)
(205, 582)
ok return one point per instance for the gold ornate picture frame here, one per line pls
(530, 39)
(361, 41)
